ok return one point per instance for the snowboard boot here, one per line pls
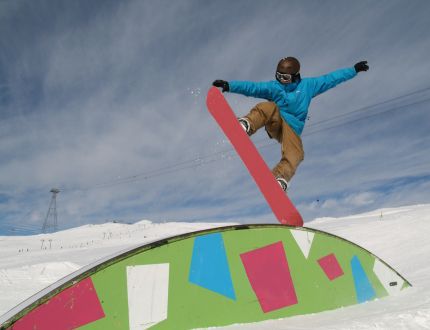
(245, 125)
(283, 183)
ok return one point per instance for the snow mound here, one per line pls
(17, 284)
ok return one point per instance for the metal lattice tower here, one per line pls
(51, 216)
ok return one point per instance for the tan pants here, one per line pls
(267, 114)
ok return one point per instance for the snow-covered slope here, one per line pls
(398, 236)
(30, 263)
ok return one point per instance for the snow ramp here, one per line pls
(215, 277)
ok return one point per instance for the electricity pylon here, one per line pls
(51, 216)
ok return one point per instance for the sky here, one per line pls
(105, 100)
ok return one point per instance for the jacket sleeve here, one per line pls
(255, 89)
(330, 80)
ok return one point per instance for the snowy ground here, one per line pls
(398, 236)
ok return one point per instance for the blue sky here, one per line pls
(105, 100)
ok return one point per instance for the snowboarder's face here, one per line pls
(284, 78)
(287, 71)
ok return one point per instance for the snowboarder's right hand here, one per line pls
(222, 84)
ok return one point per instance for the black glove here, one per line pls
(223, 84)
(361, 66)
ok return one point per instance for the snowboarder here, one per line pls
(285, 112)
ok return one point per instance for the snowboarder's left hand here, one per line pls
(361, 66)
(223, 84)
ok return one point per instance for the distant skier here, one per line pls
(285, 113)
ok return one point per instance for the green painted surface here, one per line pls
(191, 306)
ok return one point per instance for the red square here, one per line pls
(72, 308)
(331, 266)
(270, 278)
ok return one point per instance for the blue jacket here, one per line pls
(293, 99)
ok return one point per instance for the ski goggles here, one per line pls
(286, 77)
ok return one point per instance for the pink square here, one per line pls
(72, 308)
(331, 266)
(269, 275)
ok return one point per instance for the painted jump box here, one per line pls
(222, 276)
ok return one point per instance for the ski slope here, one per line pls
(399, 236)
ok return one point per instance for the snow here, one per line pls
(398, 236)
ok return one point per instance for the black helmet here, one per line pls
(289, 65)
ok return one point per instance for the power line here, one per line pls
(366, 108)
(220, 155)
(20, 226)
(193, 163)
(230, 152)
(271, 144)
(369, 116)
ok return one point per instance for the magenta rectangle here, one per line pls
(331, 266)
(70, 309)
(278, 201)
(269, 275)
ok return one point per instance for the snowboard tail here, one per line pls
(282, 207)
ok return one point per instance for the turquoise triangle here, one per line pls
(209, 265)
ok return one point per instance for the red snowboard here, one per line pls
(279, 202)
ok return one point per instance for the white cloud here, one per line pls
(121, 95)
